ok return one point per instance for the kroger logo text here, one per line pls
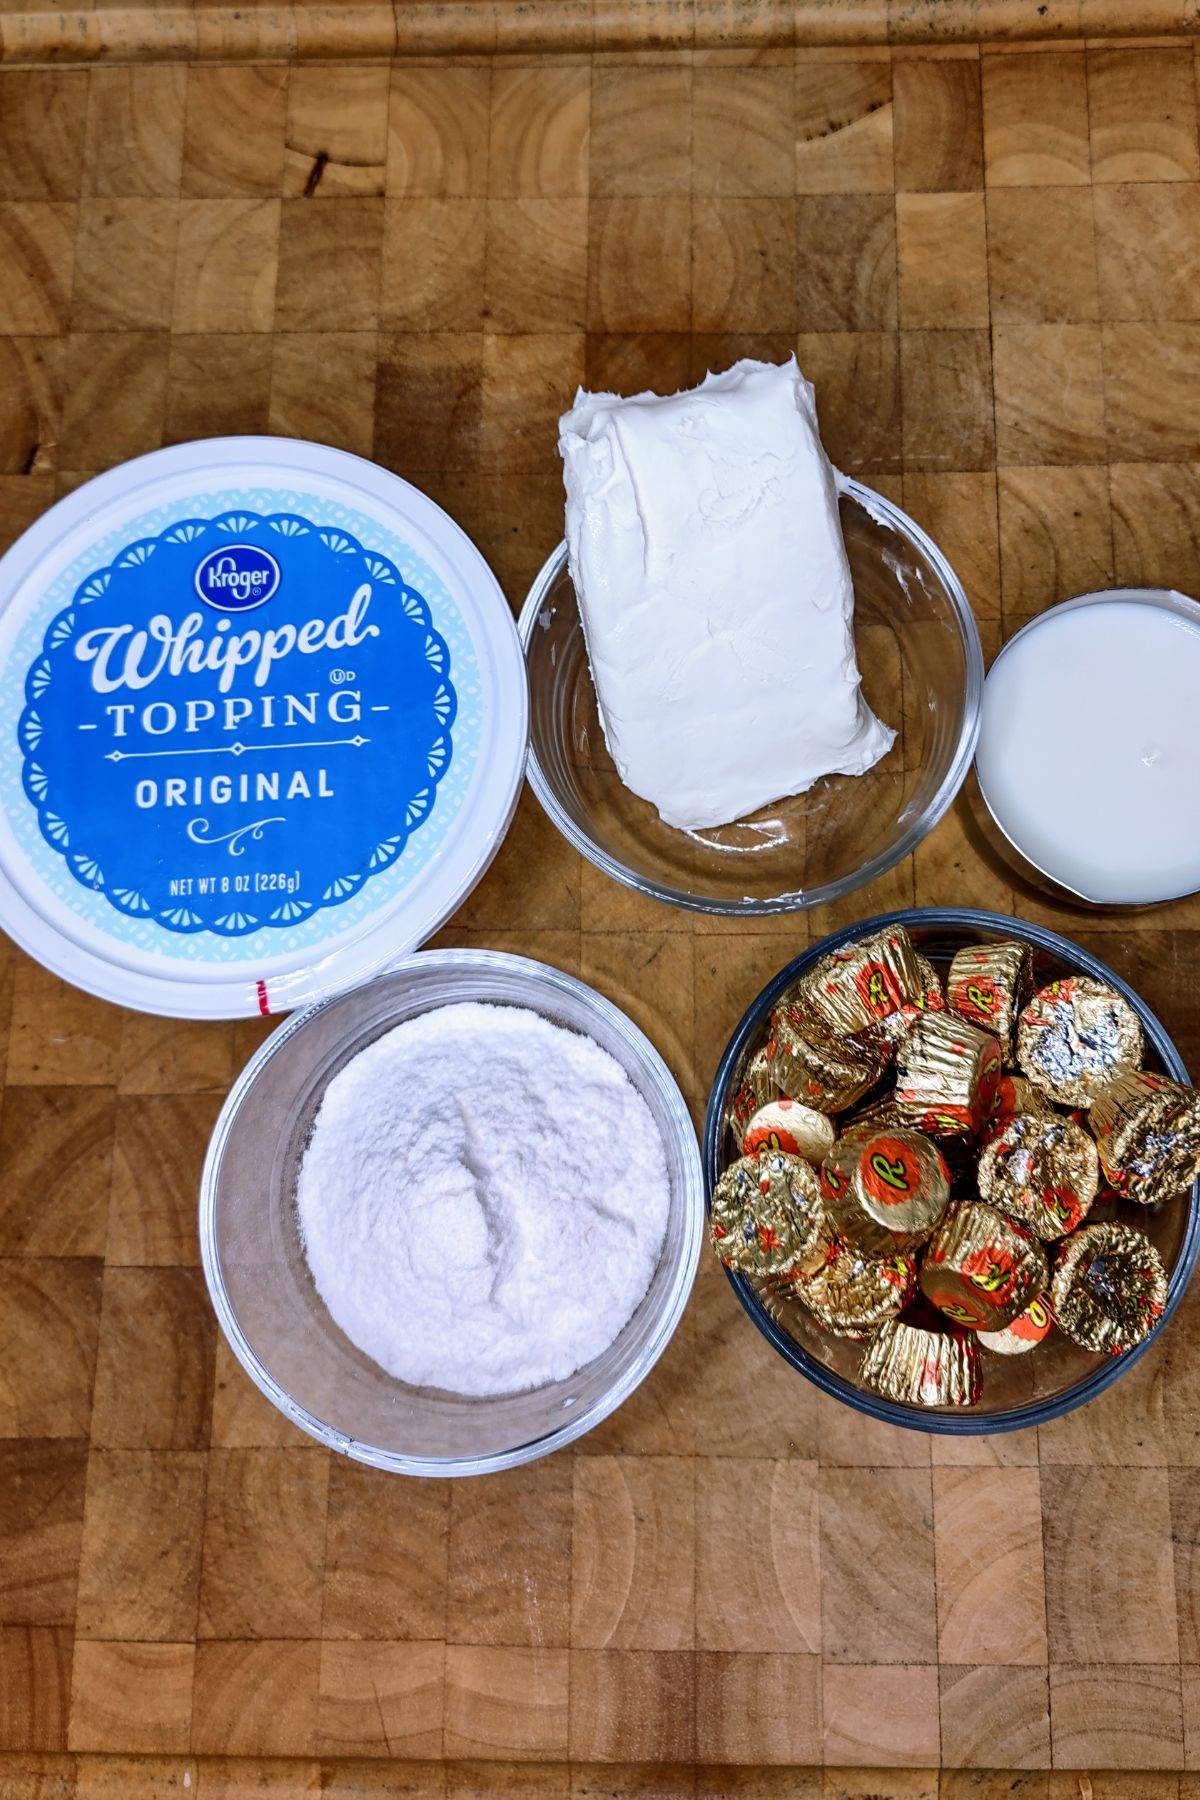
(237, 577)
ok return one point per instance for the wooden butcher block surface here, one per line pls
(988, 260)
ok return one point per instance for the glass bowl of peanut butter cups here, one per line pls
(951, 1163)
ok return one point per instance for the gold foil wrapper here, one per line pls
(884, 1190)
(1015, 1094)
(896, 1027)
(1109, 1288)
(933, 994)
(852, 1292)
(1027, 1331)
(946, 1076)
(756, 1087)
(921, 1366)
(878, 1115)
(980, 1270)
(1043, 1172)
(987, 984)
(766, 1216)
(828, 1076)
(1076, 1036)
(868, 988)
(789, 1125)
(1147, 1130)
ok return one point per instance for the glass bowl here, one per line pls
(264, 1296)
(1018, 1391)
(922, 672)
(1035, 844)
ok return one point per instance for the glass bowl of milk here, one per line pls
(262, 1286)
(1089, 753)
(922, 674)
(1017, 1392)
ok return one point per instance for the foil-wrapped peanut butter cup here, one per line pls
(946, 1075)
(924, 1366)
(1076, 1036)
(980, 1269)
(987, 985)
(933, 994)
(1027, 1331)
(881, 1114)
(1109, 1287)
(1147, 1130)
(1043, 1171)
(884, 1190)
(766, 1216)
(755, 1088)
(869, 988)
(852, 1292)
(1016, 1094)
(790, 1125)
(826, 1074)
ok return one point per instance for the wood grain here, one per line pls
(986, 256)
(142, 1525)
(990, 1596)
(131, 1697)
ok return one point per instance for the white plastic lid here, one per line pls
(263, 720)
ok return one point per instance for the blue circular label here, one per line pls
(237, 723)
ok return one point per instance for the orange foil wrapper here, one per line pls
(1044, 1172)
(884, 1190)
(789, 1125)
(828, 1076)
(1076, 1036)
(1109, 1288)
(850, 1294)
(921, 1366)
(987, 984)
(1147, 1129)
(1027, 1331)
(868, 988)
(756, 1087)
(766, 1216)
(980, 1270)
(946, 1076)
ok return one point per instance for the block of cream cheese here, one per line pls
(717, 605)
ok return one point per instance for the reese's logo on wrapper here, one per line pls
(977, 999)
(890, 1171)
(880, 990)
(992, 1270)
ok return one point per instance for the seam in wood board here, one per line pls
(374, 30)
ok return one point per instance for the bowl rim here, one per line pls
(966, 1424)
(1162, 599)
(885, 512)
(540, 977)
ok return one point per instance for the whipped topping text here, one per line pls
(123, 657)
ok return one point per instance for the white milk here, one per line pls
(1089, 755)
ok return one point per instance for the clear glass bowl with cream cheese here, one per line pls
(922, 672)
(263, 1292)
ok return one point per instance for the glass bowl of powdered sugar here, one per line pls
(450, 1218)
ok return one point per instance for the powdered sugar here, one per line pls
(483, 1199)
